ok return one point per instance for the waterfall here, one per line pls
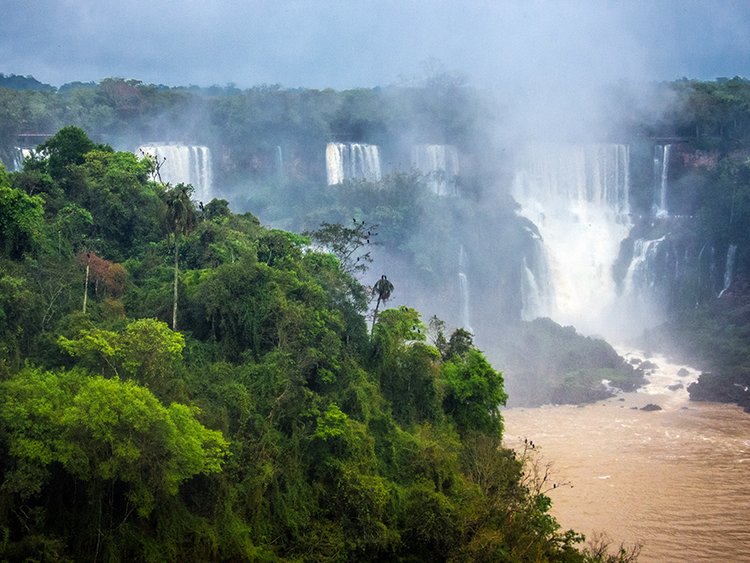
(16, 163)
(439, 164)
(463, 284)
(729, 268)
(187, 164)
(352, 161)
(335, 163)
(640, 275)
(661, 173)
(537, 294)
(577, 196)
(18, 156)
(279, 164)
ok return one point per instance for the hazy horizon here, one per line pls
(344, 45)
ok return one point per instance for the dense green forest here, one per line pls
(708, 122)
(182, 383)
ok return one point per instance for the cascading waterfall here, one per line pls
(729, 268)
(17, 160)
(661, 175)
(19, 155)
(577, 196)
(537, 293)
(463, 284)
(335, 163)
(352, 161)
(439, 164)
(187, 164)
(640, 275)
(279, 164)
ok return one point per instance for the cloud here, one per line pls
(344, 44)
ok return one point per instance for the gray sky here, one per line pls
(350, 43)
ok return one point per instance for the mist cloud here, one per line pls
(341, 44)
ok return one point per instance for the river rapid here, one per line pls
(676, 481)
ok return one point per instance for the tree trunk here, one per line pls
(375, 315)
(176, 262)
(86, 288)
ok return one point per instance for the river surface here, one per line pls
(676, 481)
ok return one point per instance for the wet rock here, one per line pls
(683, 372)
(651, 407)
(649, 365)
(675, 386)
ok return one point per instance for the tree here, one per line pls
(72, 224)
(216, 210)
(67, 147)
(123, 203)
(21, 221)
(473, 393)
(383, 289)
(146, 350)
(113, 443)
(180, 219)
(346, 243)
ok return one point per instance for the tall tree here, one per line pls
(180, 219)
(21, 220)
(383, 289)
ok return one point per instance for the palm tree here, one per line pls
(180, 219)
(383, 288)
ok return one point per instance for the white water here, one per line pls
(674, 480)
(577, 196)
(352, 161)
(17, 160)
(439, 164)
(639, 275)
(19, 155)
(463, 282)
(729, 268)
(187, 164)
(537, 298)
(661, 171)
(280, 164)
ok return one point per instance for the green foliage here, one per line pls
(217, 210)
(473, 393)
(66, 149)
(273, 427)
(395, 327)
(125, 207)
(102, 430)
(21, 311)
(146, 350)
(21, 222)
(72, 224)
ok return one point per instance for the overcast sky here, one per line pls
(351, 43)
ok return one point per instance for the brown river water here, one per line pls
(676, 481)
